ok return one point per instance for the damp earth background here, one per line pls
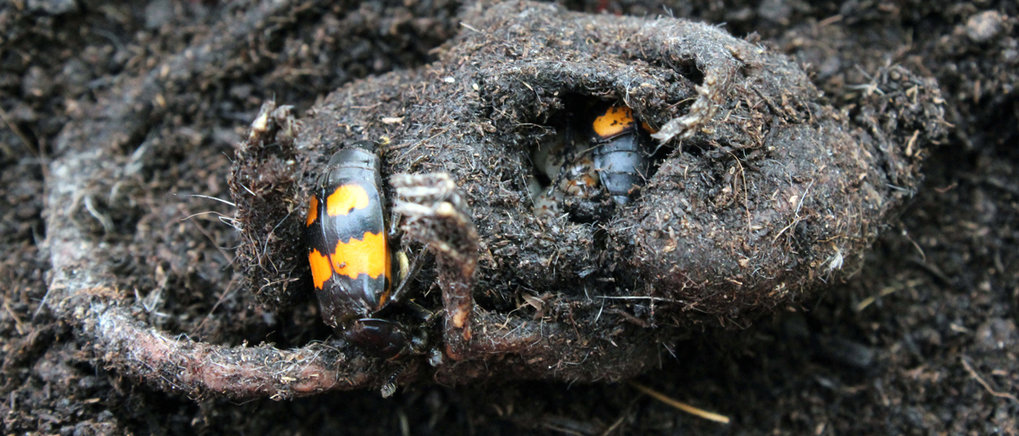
(920, 339)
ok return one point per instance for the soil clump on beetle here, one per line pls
(920, 337)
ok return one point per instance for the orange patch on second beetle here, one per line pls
(320, 268)
(346, 198)
(613, 122)
(312, 211)
(361, 256)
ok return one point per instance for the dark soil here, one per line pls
(916, 334)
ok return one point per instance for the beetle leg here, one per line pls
(407, 273)
(436, 216)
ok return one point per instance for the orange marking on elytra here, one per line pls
(361, 256)
(613, 122)
(320, 268)
(312, 211)
(383, 298)
(389, 281)
(345, 199)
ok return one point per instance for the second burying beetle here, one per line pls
(587, 163)
(620, 158)
(350, 258)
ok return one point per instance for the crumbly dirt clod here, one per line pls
(765, 192)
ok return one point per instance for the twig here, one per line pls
(885, 292)
(17, 321)
(701, 413)
(637, 297)
(973, 373)
(17, 132)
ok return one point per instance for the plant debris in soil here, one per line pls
(918, 339)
